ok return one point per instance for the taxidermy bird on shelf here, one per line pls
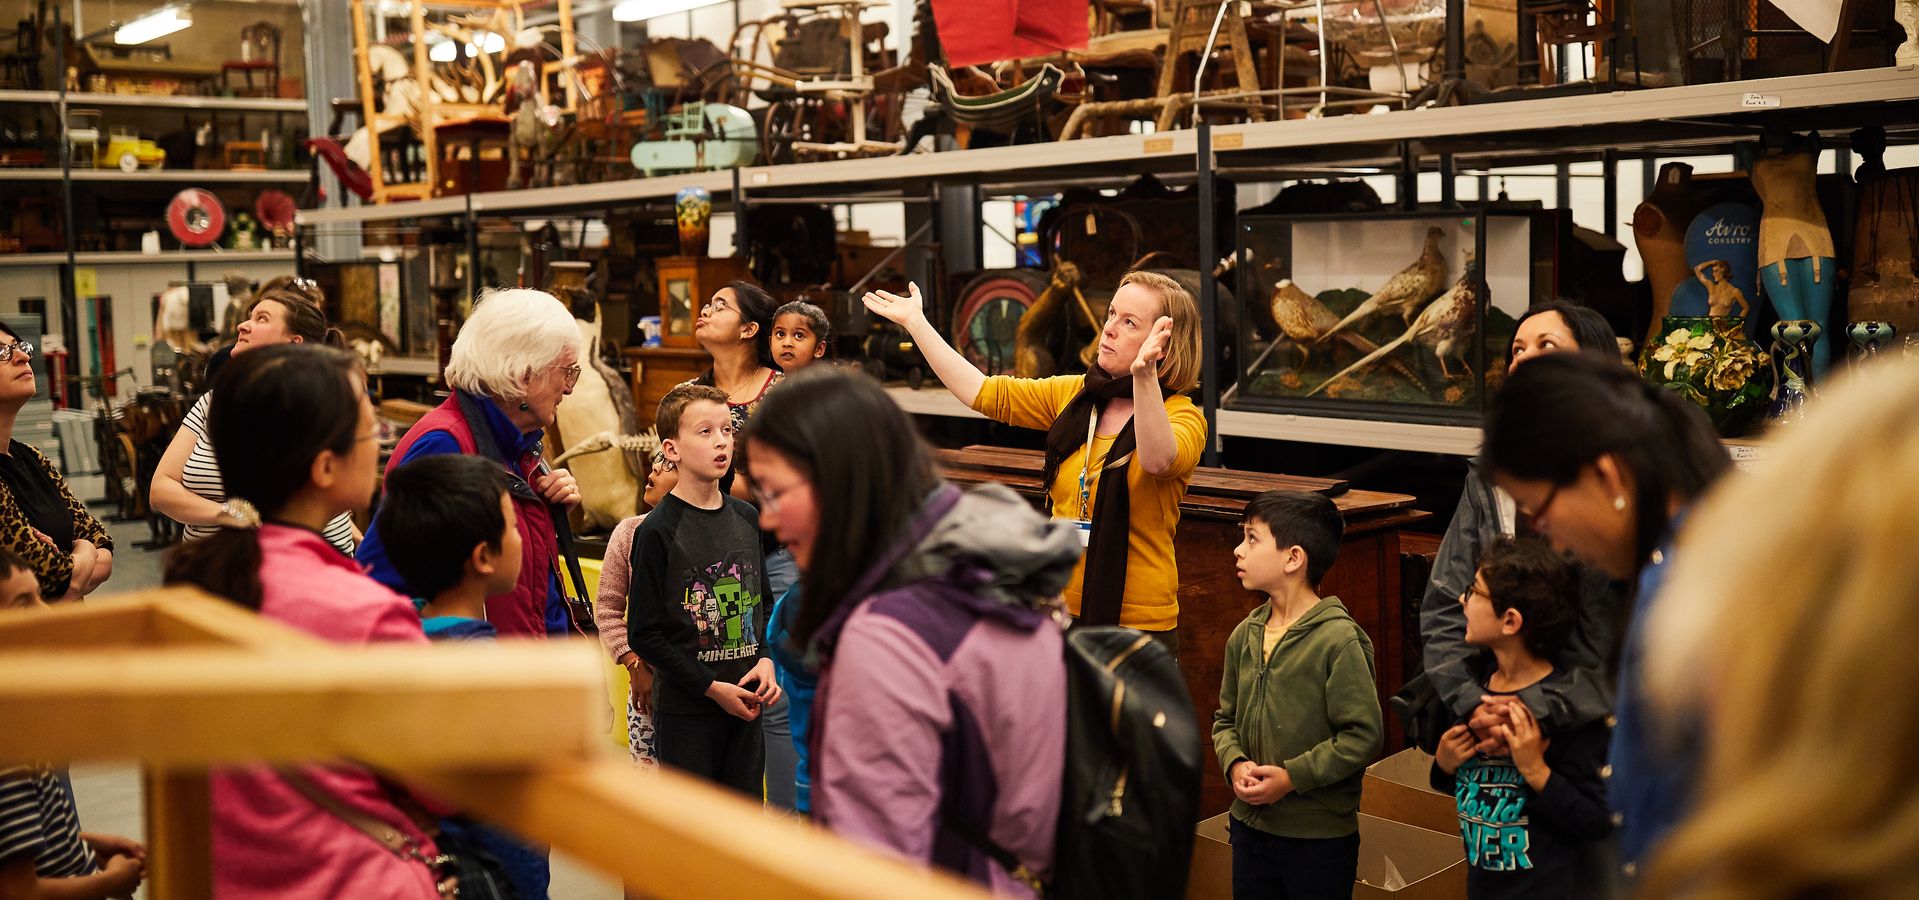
(1404, 292)
(1445, 325)
(1301, 317)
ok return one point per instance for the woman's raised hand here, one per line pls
(901, 311)
(1153, 349)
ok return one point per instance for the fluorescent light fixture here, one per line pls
(156, 24)
(641, 10)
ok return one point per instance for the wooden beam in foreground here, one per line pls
(675, 837)
(510, 730)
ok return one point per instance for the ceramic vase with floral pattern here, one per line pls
(1868, 338)
(1712, 362)
(1792, 342)
(693, 212)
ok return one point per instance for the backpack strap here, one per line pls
(579, 611)
(976, 836)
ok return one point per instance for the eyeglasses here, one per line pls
(6, 350)
(1543, 504)
(715, 304)
(769, 501)
(572, 374)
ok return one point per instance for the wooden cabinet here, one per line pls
(657, 370)
(1211, 601)
(685, 284)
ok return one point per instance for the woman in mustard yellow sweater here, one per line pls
(1121, 441)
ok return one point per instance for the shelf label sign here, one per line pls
(1231, 141)
(1760, 101)
(759, 179)
(1159, 145)
(86, 282)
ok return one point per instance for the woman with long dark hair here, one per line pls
(186, 485)
(297, 444)
(735, 327)
(926, 611)
(1487, 514)
(41, 522)
(1606, 466)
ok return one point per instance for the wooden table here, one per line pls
(1211, 602)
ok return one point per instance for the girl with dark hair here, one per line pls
(186, 484)
(927, 613)
(297, 441)
(1486, 515)
(40, 520)
(736, 328)
(1606, 466)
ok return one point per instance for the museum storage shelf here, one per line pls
(1612, 128)
(136, 258)
(222, 104)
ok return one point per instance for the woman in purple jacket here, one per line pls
(941, 709)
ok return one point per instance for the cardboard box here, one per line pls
(1399, 788)
(1396, 862)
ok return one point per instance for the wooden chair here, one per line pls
(1192, 24)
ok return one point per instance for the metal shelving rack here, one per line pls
(1606, 128)
(68, 173)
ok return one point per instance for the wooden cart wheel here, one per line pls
(986, 319)
(782, 127)
(121, 470)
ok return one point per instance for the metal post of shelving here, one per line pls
(1448, 192)
(739, 215)
(69, 295)
(1563, 186)
(472, 228)
(1208, 297)
(1609, 162)
(1408, 187)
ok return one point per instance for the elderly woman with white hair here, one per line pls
(515, 359)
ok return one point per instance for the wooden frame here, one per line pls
(434, 111)
(180, 681)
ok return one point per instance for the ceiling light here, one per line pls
(156, 24)
(641, 10)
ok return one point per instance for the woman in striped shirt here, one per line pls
(187, 485)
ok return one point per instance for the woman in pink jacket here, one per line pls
(941, 707)
(295, 436)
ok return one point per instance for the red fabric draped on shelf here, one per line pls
(983, 31)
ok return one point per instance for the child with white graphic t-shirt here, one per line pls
(1533, 822)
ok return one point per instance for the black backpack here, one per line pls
(1130, 796)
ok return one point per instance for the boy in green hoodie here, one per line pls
(1298, 714)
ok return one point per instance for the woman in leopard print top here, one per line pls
(40, 521)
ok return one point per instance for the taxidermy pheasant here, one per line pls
(1304, 320)
(1444, 325)
(1404, 292)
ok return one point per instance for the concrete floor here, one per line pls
(110, 797)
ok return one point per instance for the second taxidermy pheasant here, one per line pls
(1303, 320)
(1403, 293)
(1444, 325)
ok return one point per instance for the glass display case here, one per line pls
(1403, 317)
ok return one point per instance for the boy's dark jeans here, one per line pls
(715, 746)
(1270, 867)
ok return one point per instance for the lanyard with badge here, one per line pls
(1085, 522)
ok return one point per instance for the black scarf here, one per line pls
(1103, 589)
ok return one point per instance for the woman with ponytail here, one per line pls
(186, 485)
(296, 437)
(1122, 441)
(1607, 466)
